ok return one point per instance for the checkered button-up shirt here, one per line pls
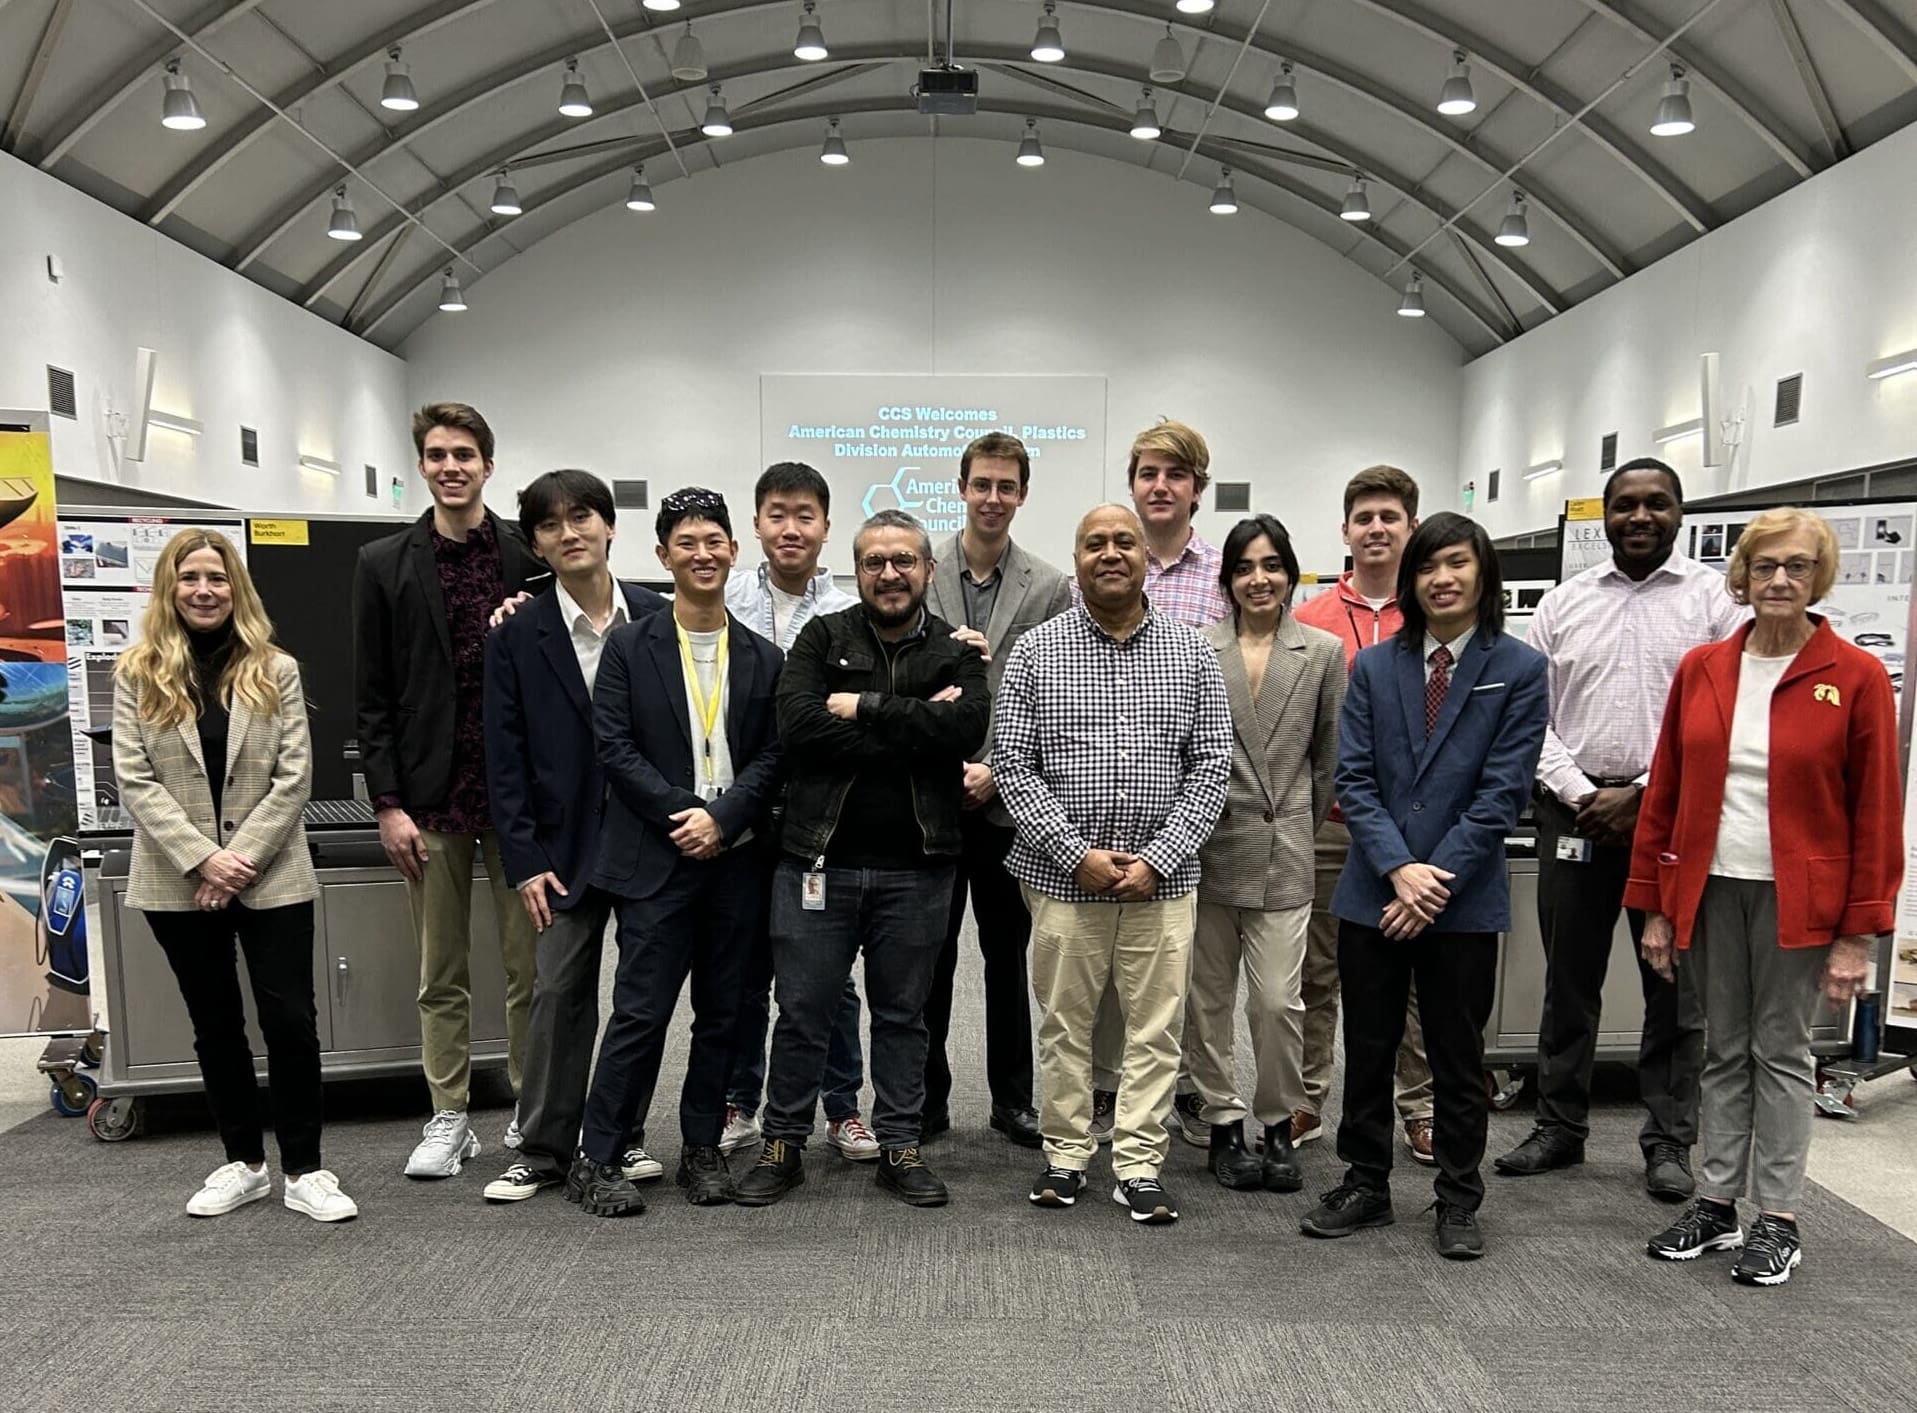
(1106, 744)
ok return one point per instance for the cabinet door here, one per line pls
(1521, 977)
(373, 965)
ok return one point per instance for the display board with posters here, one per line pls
(42, 949)
(106, 575)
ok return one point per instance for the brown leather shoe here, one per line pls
(1417, 1137)
(1305, 1126)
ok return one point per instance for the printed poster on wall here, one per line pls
(43, 973)
(106, 574)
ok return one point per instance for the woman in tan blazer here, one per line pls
(214, 762)
(1286, 684)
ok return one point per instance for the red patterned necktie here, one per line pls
(1435, 686)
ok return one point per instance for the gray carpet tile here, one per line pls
(842, 1299)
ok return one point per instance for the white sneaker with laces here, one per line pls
(640, 1166)
(853, 1139)
(742, 1130)
(447, 1142)
(317, 1194)
(512, 1139)
(229, 1186)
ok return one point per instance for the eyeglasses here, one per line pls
(904, 561)
(1795, 570)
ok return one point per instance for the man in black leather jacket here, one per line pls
(879, 708)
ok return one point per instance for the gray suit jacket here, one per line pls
(1031, 591)
(163, 785)
(1284, 751)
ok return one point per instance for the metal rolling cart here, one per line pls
(365, 972)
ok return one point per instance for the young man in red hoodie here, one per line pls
(1381, 511)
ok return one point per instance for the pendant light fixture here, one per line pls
(1030, 154)
(689, 58)
(1282, 106)
(1674, 108)
(505, 200)
(716, 123)
(810, 45)
(450, 298)
(639, 198)
(1412, 305)
(1456, 99)
(833, 154)
(1048, 45)
(344, 224)
(1224, 200)
(398, 93)
(1145, 120)
(1357, 205)
(1515, 229)
(573, 102)
(178, 109)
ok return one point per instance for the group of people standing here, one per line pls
(1147, 777)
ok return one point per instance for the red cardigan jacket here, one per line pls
(1837, 834)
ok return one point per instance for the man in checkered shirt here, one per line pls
(1111, 747)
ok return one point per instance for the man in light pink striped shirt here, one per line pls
(1613, 636)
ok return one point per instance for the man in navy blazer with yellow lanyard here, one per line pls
(1438, 743)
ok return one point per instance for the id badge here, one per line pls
(1573, 849)
(812, 893)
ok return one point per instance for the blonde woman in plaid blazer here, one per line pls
(214, 762)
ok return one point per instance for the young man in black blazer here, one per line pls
(683, 714)
(546, 787)
(421, 603)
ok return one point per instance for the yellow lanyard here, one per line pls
(708, 710)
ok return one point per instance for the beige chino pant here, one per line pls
(1270, 947)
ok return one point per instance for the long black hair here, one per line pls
(1441, 532)
(1240, 538)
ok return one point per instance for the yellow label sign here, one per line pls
(1586, 508)
(278, 532)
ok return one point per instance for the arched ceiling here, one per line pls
(1565, 90)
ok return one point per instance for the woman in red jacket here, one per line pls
(1769, 850)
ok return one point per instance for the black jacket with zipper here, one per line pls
(899, 729)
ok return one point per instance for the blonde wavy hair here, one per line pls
(160, 665)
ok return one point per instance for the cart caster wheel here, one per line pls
(116, 1120)
(93, 1053)
(73, 1095)
(1834, 1101)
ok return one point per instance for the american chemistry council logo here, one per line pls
(932, 502)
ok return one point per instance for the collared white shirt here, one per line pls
(1457, 646)
(1612, 645)
(588, 642)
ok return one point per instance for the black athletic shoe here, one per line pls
(1705, 1226)
(780, 1168)
(1234, 1165)
(704, 1176)
(1281, 1172)
(1458, 1235)
(608, 1192)
(1770, 1255)
(1147, 1199)
(521, 1181)
(1057, 1187)
(902, 1172)
(1348, 1208)
(1187, 1120)
(1020, 1125)
(1667, 1173)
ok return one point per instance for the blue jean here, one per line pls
(896, 917)
(844, 1061)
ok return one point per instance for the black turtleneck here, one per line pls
(212, 648)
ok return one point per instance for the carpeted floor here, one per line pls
(842, 1299)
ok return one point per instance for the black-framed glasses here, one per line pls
(904, 561)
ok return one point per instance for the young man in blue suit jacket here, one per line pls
(545, 787)
(683, 713)
(1438, 744)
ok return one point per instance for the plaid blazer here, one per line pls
(163, 785)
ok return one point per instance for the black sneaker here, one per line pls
(1019, 1124)
(1348, 1208)
(1188, 1121)
(1705, 1226)
(1459, 1238)
(1234, 1165)
(1058, 1187)
(1281, 1172)
(1770, 1255)
(704, 1176)
(902, 1172)
(1104, 1114)
(1147, 1199)
(780, 1169)
(576, 1176)
(1667, 1173)
(607, 1192)
(521, 1181)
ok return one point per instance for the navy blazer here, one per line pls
(642, 721)
(543, 779)
(1449, 801)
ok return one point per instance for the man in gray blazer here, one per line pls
(993, 586)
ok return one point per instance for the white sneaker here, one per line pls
(227, 1187)
(512, 1138)
(640, 1166)
(448, 1141)
(742, 1130)
(853, 1139)
(317, 1194)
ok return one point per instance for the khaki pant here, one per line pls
(1143, 950)
(1320, 985)
(1271, 948)
(442, 923)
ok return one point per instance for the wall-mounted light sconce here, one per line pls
(319, 463)
(1543, 468)
(1890, 367)
(1677, 431)
(191, 426)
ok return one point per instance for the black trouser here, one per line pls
(700, 923)
(1004, 933)
(279, 965)
(1457, 974)
(1578, 905)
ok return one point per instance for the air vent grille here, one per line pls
(1790, 399)
(1234, 496)
(1607, 452)
(249, 446)
(61, 400)
(1491, 486)
(629, 495)
(372, 483)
